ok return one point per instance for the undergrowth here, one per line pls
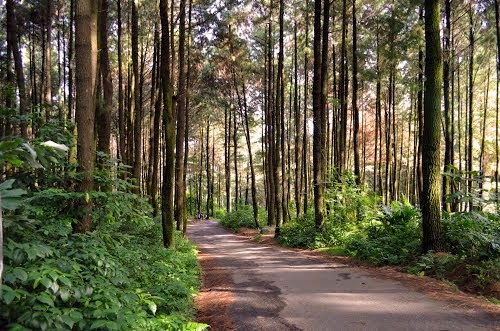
(116, 277)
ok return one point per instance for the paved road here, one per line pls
(280, 289)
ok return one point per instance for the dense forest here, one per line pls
(368, 128)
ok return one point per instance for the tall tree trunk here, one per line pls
(271, 215)
(281, 91)
(235, 159)
(420, 114)
(137, 109)
(343, 94)
(180, 187)
(431, 213)
(355, 109)
(471, 107)
(483, 137)
(121, 111)
(47, 93)
(70, 60)
(12, 40)
(497, 30)
(207, 165)
(152, 103)
(227, 156)
(250, 156)
(186, 133)
(296, 111)
(446, 96)
(278, 110)
(86, 70)
(304, 137)
(104, 116)
(317, 116)
(169, 131)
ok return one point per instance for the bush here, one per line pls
(299, 233)
(394, 239)
(116, 277)
(240, 217)
(475, 235)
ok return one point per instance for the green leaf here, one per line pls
(8, 294)
(45, 282)
(7, 185)
(45, 298)
(64, 294)
(68, 321)
(152, 307)
(98, 324)
(20, 274)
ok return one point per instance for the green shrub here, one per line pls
(219, 213)
(299, 233)
(474, 235)
(113, 278)
(116, 277)
(240, 217)
(394, 239)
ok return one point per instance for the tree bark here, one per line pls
(47, 93)
(86, 69)
(137, 109)
(12, 40)
(317, 116)
(180, 186)
(355, 129)
(169, 131)
(431, 212)
(104, 120)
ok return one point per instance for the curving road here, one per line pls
(280, 289)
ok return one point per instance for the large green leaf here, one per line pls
(11, 198)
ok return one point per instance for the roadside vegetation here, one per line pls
(116, 277)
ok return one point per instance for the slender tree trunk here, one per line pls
(483, 137)
(104, 116)
(136, 98)
(281, 91)
(304, 137)
(355, 109)
(186, 133)
(420, 114)
(86, 70)
(180, 186)
(121, 111)
(446, 96)
(12, 40)
(169, 128)
(471, 109)
(152, 102)
(296, 110)
(47, 93)
(317, 117)
(235, 159)
(227, 163)
(431, 213)
(343, 94)
(497, 29)
(70, 61)
(250, 156)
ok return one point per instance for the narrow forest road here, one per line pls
(273, 288)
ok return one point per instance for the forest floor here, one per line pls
(263, 286)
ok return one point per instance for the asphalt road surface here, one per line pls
(280, 289)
